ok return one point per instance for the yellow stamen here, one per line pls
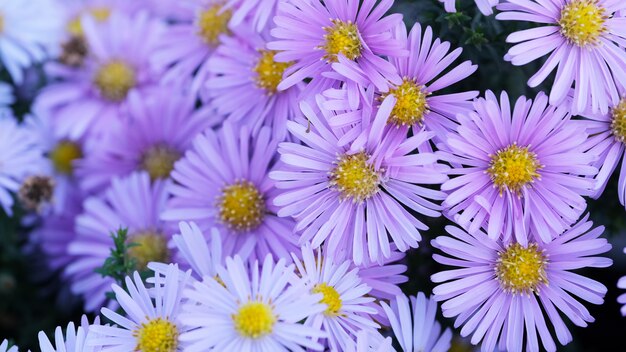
(513, 168)
(114, 80)
(618, 122)
(354, 177)
(342, 38)
(100, 14)
(583, 21)
(269, 73)
(521, 269)
(254, 320)
(241, 206)
(213, 22)
(63, 156)
(157, 335)
(331, 298)
(159, 161)
(150, 246)
(411, 104)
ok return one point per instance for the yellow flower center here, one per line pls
(100, 14)
(157, 335)
(213, 22)
(521, 269)
(269, 73)
(331, 298)
(411, 104)
(63, 156)
(159, 161)
(618, 122)
(354, 177)
(254, 320)
(241, 206)
(148, 246)
(114, 79)
(583, 22)
(342, 38)
(513, 168)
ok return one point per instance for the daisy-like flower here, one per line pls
(416, 100)
(505, 293)
(185, 48)
(243, 84)
(485, 6)
(151, 322)
(348, 308)
(20, 156)
(254, 310)
(223, 182)
(29, 33)
(518, 171)
(132, 203)
(315, 34)
(75, 339)
(90, 99)
(415, 327)
(343, 196)
(584, 39)
(257, 13)
(159, 129)
(195, 252)
(4, 347)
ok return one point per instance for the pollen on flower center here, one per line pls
(411, 104)
(159, 161)
(213, 22)
(269, 73)
(342, 38)
(331, 298)
(63, 156)
(241, 206)
(513, 168)
(148, 246)
(583, 21)
(157, 335)
(254, 320)
(618, 121)
(354, 177)
(521, 269)
(114, 79)
(100, 14)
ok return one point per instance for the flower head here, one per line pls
(75, 339)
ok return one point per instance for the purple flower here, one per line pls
(518, 171)
(75, 339)
(256, 14)
(485, 6)
(583, 38)
(415, 102)
(354, 198)
(158, 129)
(223, 182)
(132, 203)
(501, 286)
(90, 99)
(185, 48)
(243, 84)
(415, 327)
(314, 35)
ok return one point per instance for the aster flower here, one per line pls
(29, 32)
(256, 14)
(314, 35)
(518, 171)
(133, 203)
(485, 6)
(223, 182)
(343, 196)
(159, 129)
(584, 40)
(250, 311)
(185, 48)
(498, 286)
(243, 84)
(151, 321)
(415, 327)
(4, 347)
(20, 156)
(75, 339)
(348, 308)
(90, 99)
(416, 101)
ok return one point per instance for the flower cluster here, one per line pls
(271, 163)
